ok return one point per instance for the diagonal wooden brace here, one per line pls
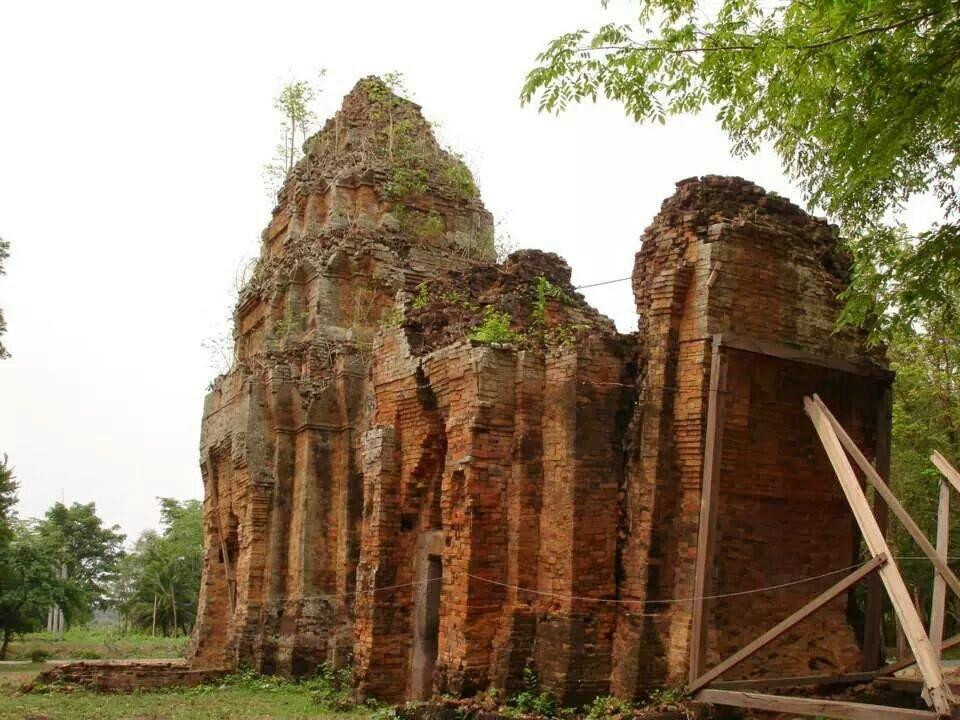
(947, 469)
(940, 696)
(780, 628)
(873, 477)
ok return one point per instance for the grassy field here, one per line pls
(230, 703)
(234, 699)
(84, 644)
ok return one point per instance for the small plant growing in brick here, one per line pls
(495, 328)
(456, 174)
(608, 706)
(532, 700)
(423, 297)
(669, 698)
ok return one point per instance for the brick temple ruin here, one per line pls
(388, 486)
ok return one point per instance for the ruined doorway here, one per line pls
(426, 633)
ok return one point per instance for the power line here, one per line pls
(605, 282)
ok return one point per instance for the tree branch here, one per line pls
(636, 47)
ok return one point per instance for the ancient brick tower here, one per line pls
(443, 470)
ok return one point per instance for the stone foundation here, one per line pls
(124, 676)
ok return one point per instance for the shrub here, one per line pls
(495, 328)
(406, 182)
(532, 700)
(423, 297)
(331, 687)
(607, 706)
(456, 174)
(666, 697)
(38, 655)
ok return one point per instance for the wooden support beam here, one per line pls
(811, 706)
(709, 497)
(892, 502)
(795, 681)
(785, 352)
(947, 469)
(927, 661)
(876, 563)
(872, 656)
(937, 603)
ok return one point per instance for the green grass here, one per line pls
(243, 696)
(205, 703)
(96, 644)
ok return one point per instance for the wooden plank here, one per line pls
(872, 656)
(785, 352)
(811, 706)
(709, 496)
(927, 662)
(876, 563)
(947, 469)
(938, 601)
(892, 502)
(795, 681)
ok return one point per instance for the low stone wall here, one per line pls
(124, 676)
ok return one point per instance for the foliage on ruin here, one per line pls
(533, 699)
(295, 105)
(422, 298)
(604, 707)
(494, 328)
(857, 99)
(457, 175)
(478, 244)
(414, 160)
(544, 291)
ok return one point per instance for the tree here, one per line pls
(4, 254)
(295, 103)
(159, 580)
(8, 500)
(86, 547)
(926, 417)
(858, 100)
(29, 584)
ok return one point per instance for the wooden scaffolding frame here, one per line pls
(882, 569)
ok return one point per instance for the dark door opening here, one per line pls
(427, 628)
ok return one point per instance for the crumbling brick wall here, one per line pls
(723, 257)
(384, 488)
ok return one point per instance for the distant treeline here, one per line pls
(57, 570)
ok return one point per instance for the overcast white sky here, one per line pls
(132, 137)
